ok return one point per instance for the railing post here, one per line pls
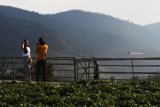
(75, 70)
(86, 70)
(96, 70)
(13, 67)
(3, 65)
(132, 67)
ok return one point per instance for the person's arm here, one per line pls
(46, 52)
(30, 61)
(30, 58)
(22, 46)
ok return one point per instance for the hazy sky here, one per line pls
(138, 11)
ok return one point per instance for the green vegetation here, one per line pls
(101, 93)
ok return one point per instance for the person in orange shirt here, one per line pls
(41, 51)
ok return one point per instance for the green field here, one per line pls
(100, 93)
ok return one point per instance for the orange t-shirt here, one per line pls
(41, 51)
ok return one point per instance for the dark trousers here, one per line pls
(41, 69)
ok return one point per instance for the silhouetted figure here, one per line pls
(96, 70)
(41, 51)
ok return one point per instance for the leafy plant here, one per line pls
(99, 93)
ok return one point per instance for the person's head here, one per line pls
(26, 43)
(41, 41)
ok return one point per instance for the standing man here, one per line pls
(41, 51)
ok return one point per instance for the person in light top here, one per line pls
(27, 60)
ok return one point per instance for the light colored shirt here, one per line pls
(28, 53)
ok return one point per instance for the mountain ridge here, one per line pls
(79, 33)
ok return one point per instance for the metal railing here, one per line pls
(75, 69)
(11, 68)
(118, 68)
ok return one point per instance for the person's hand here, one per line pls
(30, 61)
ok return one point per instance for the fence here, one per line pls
(63, 68)
(75, 69)
(118, 68)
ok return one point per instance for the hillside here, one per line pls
(74, 33)
(13, 31)
(109, 36)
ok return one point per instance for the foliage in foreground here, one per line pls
(83, 94)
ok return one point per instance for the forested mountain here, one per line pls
(74, 33)
(13, 31)
(108, 35)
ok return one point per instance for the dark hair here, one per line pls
(25, 41)
(42, 41)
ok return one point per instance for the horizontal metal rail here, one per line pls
(112, 72)
(116, 59)
(134, 65)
